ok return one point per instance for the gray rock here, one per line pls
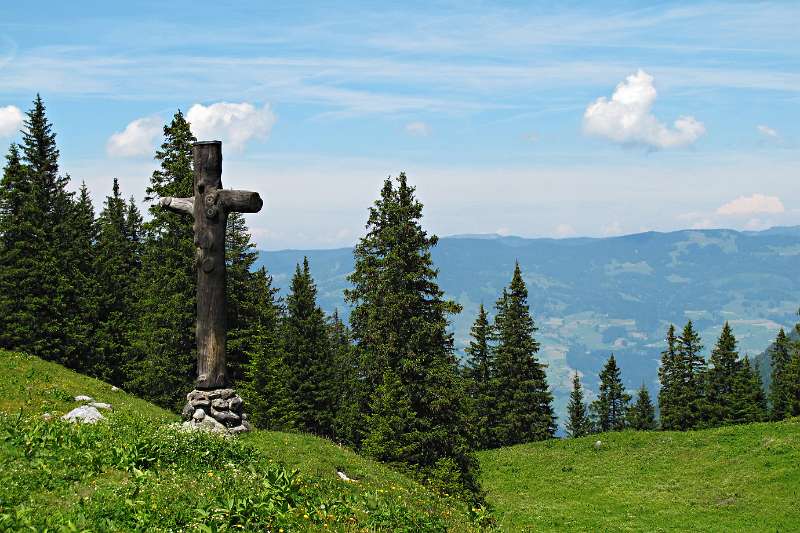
(212, 425)
(198, 415)
(227, 393)
(114, 388)
(235, 404)
(84, 398)
(219, 404)
(200, 403)
(244, 416)
(238, 429)
(246, 424)
(85, 413)
(226, 417)
(213, 394)
(101, 405)
(188, 411)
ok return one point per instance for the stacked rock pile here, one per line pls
(215, 410)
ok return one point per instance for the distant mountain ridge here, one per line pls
(594, 296)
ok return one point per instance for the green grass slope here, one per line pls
(740, 478)
(133, 472)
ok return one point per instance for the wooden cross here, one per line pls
(210, 207)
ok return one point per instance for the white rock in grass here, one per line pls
(84, 398)
(85, 414)
(101, 405)
(598, 444)
(114, 388)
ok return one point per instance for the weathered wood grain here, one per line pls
(210, 207)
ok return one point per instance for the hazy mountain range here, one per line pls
(592, 297)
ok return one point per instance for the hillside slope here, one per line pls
(133, 472)
(740, 478)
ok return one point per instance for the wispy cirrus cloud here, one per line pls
(418, 129)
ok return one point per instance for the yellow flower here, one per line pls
(305, 516)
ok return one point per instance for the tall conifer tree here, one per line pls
(642, 414)
(524, 402)
(164, 339)
(308, 356)
(265, 387)
(20, 241)
(793, 377)
(611, 407)
(749, 401)
(347, 420)
(39, 322)
(578, 422)
(414, 402)
(479, 373)
(690, 401)
(241, 294)
(781, 387)
(116, 267)
(671, 383)
(80, 289)
(721, 379)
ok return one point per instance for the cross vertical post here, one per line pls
(210, 207)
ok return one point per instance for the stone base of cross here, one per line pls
(210, 207)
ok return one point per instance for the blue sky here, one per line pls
(523, 118)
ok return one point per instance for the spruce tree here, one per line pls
(414, 397)
(690, 401)
(793, 377)
(20, 238)
(749, 401)
(308, 356)
(164, 365)
(38, 258)
(479, 374)
(578, 422)
(611, 407)
(642, 414)
(671, 384)
(781, 387)
(524, 402)
(116, 267)
(241, 297)
(265, 385)
(80, 291)
(721, 380)
(347, 420)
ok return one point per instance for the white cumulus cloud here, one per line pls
(767, 131)
(11, 119)
(564, 230)
(234, 124)
(137, 139)
(627, 119)
(751, 205)
(419, 129)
